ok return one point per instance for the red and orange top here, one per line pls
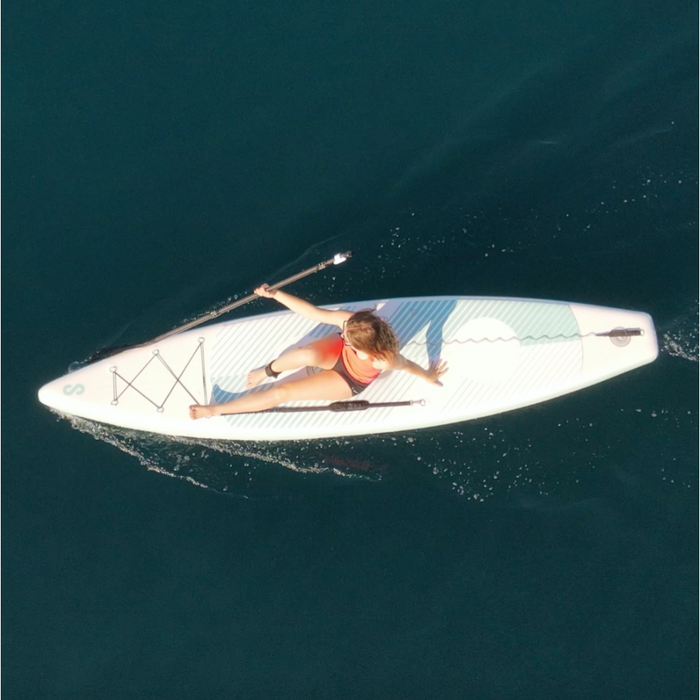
(361, 370)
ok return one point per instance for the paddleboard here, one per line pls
(502, 354)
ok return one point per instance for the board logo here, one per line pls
(70, 389)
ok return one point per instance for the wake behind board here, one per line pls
(502, 354)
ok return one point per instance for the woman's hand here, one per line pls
(435, 371)
(264, 291)
(432, 374)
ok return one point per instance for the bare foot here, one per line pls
(198, 411)
(254, 377)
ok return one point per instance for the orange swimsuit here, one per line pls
(360, 370)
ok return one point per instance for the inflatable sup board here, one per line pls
(502, 354)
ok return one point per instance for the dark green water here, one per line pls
(162, 157)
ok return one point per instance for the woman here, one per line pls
(351, 360)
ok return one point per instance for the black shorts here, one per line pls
(355, 386)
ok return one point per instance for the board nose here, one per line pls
(57, 393)
(47, 394)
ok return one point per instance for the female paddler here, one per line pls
(351, 360)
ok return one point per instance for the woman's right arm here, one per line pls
(304, 308)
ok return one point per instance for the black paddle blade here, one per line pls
(108, 352)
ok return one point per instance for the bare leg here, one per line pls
(321, 353)
(328, 385)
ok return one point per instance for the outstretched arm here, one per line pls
(432, 374)
(304, 308)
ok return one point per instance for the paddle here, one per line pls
(335, 260)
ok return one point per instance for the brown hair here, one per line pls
(371, 334)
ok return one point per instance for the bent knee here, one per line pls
(310, 356)
(325, 352)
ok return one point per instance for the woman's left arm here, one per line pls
(432, 374)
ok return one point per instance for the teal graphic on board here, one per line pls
(70, 389)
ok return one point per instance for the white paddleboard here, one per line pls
(502, 354)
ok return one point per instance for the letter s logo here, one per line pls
(70, 389)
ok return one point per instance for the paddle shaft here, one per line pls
(335, 260)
